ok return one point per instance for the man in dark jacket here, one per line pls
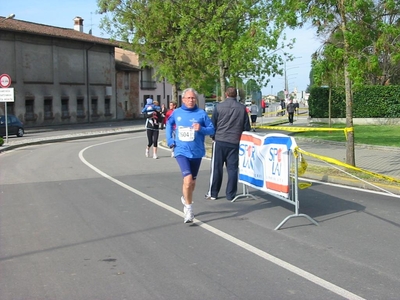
(230, 119)
(290, 109)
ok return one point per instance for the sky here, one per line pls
(61, 14)
(298, 70)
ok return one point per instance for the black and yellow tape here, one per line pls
(345, 130)
(339, 163)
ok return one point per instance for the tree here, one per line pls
(159, 41)
(362, 45)
(239, 37)
(251, 86)
(193, 42)
(347, 21)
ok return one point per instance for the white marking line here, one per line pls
(279, 262)
(351, 188)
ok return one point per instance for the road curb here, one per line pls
(70, 137)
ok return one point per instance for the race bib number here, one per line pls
(186, 134)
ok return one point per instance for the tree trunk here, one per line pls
(350, 153)
(222, 78)
(330, 106)
(175, 94)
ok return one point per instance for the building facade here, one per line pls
(62, 76)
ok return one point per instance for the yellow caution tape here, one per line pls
(304, 185)
(347, 130)
(292, 128)
(303, 165)
(303, 129)
(339, 163)
(302, 169)
(274, 112)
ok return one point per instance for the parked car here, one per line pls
(15, 126)
(209, 107)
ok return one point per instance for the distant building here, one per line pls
(63, 76)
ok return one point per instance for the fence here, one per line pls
(267, 163)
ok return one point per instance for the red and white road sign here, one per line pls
(5, 80)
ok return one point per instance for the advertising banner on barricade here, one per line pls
(264, 162)
(267, 163)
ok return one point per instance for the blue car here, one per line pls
(15, 126)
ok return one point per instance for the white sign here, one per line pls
(7, 95)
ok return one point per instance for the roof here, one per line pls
(123, 66)
(13, 25)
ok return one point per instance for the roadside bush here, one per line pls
(1, 141)
(369, 102)
(318, 103)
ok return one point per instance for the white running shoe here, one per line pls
(155, 156)
(208, 197)
(188, 212)
(147, 152)
(189, 216)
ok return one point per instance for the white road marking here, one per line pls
(277, 261)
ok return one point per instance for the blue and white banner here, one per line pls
(264, 161)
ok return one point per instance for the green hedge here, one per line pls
(368, 102)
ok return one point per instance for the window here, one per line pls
(107, 107)
(64, 107)
(94, 107)
(80, 108)
(48, 108)
(147, 81)
(159, 99)
(29, 112)
(126, 80)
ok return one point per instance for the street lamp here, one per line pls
(285, 73)
(12, 16)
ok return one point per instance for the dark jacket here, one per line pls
(290, 107)
(230, 119)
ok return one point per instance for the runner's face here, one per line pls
(189, 100)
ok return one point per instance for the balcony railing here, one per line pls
(148, 85)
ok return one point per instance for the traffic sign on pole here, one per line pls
(5, 80)
(7, 95)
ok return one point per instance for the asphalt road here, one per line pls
(95, 219)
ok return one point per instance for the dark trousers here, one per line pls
(162, 125)
(228, 154)
(290, 117)
(152, 137)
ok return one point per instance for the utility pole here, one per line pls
(286, 80)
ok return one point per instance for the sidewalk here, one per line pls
(49, 134)
(381, 160)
